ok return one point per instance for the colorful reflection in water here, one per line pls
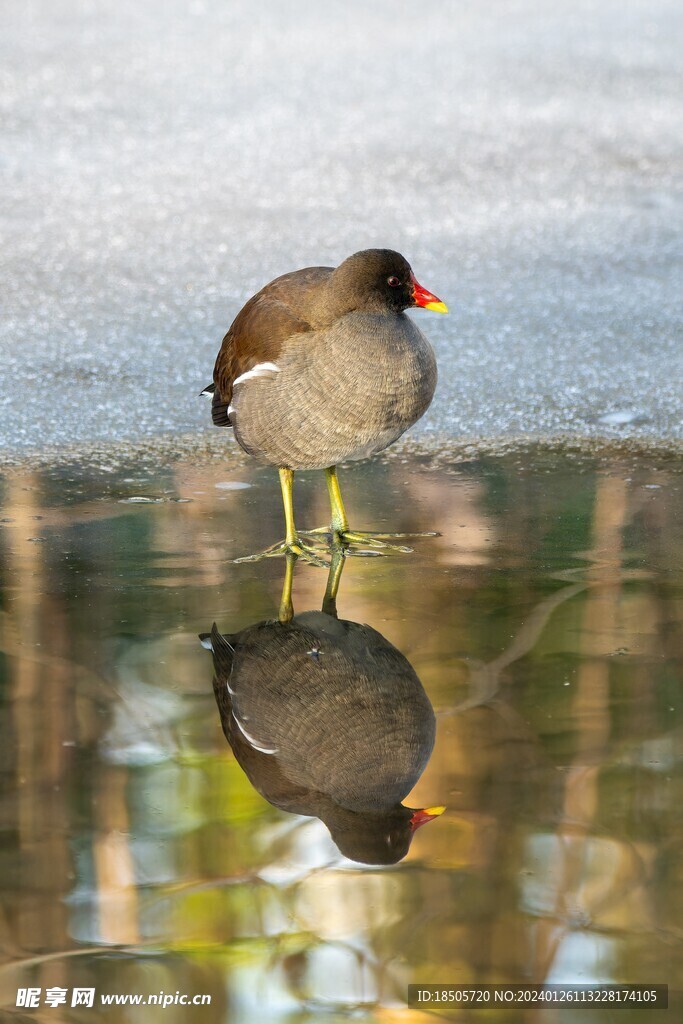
(545, 627)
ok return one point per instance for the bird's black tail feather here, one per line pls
(219, 408)
(221, 648)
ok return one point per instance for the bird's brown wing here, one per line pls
(282, 309)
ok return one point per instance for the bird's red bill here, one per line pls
(425, 299)
(424, 815)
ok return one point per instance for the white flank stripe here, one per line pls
(251, 741)
(260, 370)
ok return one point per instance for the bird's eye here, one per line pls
(393, 281)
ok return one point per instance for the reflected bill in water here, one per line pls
(327, 719)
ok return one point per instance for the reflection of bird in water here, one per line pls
(328, 719)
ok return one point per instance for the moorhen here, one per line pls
(322, 365)
(328, 719)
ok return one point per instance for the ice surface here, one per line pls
(162, 160)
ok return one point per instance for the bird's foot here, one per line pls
(367, 544)
(363, 542)
(313, 554)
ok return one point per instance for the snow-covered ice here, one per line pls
(162, 160)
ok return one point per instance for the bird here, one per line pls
(327, 719)
(343, 734)
(322, 366)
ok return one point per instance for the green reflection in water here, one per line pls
(545, 626)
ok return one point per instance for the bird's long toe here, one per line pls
(380, 543)
(366, 543)
(360, 543)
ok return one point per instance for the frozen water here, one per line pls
(163, 160)
(620, 417)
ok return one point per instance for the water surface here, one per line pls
(545, 627)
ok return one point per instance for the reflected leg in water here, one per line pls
(333, 581)
(286, 612)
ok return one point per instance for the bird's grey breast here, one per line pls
(345, 391)
(391, 344)
(381, 366)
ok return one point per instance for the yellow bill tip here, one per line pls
(434, 812)
(437, 307)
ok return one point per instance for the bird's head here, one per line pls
(379, 280)
(383, 838)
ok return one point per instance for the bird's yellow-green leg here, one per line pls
(340, 522)
(341, 534)
(340, 528)
(292, 543)
(286, 485)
